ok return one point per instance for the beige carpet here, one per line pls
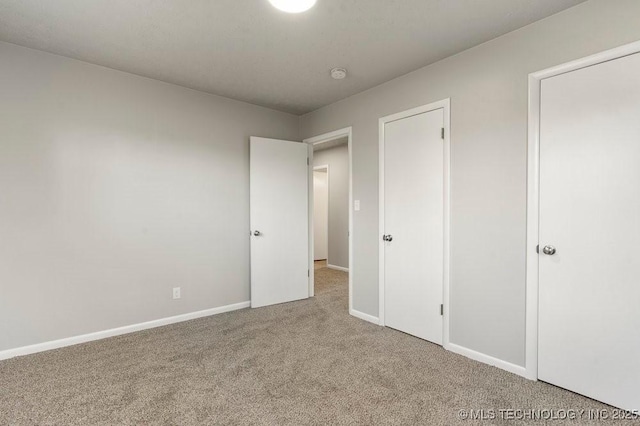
(300, 363)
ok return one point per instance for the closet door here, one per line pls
(589, 280)
(414, 224)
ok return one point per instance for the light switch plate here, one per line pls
(356, 205)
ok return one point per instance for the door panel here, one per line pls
(279, 212)
(414, 217)
(589, 306)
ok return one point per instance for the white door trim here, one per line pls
(316, 168)
(533, 190)
(316, 140)
(445, 105)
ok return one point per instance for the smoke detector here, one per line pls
(338, 73)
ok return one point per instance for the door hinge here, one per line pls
(441, 309)
(308, 273)
(538, 249)
(442, 133)
(307, 161)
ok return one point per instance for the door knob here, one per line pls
(257, 233)
(549, 250)
(388, 238)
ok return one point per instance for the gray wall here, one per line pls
(338, 160)
(488, 90)
(113, 189)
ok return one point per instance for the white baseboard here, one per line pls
(338, 268)
(478, 356)
(69, 341)
(365, 317)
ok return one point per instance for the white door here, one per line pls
(589, 306)
(414, 222)
(321, 214)
(279, 221)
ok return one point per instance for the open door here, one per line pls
(279, 206)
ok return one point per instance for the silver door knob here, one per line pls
(549, 250)
(257, 233)
(387, 238)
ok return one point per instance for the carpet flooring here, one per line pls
(300, 363)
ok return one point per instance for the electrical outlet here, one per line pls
(356, 205)
(176, 292)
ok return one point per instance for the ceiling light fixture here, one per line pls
(293, 6)
(338, 73)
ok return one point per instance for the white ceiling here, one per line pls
(247, 50)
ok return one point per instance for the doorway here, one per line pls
(282, 234)
(331, 223)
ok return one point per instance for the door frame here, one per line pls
(445, 105)
(533, 190)
(317, 140)
(316, 168)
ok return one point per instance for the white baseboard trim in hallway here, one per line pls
(487, 359)
(365, 317)
(338, 268)
(70, 341)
